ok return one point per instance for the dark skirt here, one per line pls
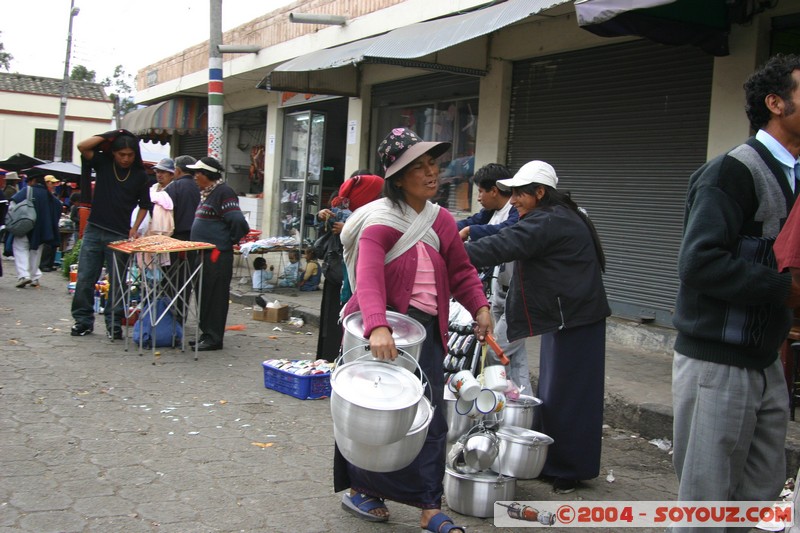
(330, 331)
(420, 483)
(571, 384)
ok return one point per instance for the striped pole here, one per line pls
(215, 110)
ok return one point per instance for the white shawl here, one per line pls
(413, 226)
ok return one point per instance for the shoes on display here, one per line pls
(79, 330)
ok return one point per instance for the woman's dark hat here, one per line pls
(402, 146)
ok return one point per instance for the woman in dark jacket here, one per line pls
(556, 292)
(28, 248)
(218, 221)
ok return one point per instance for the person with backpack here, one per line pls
(27, 247)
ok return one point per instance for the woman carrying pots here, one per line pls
(556, 292)
(404, 252)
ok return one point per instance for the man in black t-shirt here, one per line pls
(121, 185)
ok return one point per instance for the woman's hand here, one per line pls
(484, 325)
(381, 344)
(324, 214)
(337, 228)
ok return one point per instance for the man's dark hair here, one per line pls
(486, 177)
(773, 77)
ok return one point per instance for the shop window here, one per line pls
(454, 121)
(44, 145)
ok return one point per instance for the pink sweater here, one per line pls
(379, 285)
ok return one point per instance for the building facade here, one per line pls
(29, 108)
(624, 119)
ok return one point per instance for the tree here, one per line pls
(81, 73)
(120, 88)
(5, 58)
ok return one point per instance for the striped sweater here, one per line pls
(218, 219)
(730, 307)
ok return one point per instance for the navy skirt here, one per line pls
(571, 385)
(420, 484)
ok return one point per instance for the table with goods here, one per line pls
(161, 286)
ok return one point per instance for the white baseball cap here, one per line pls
(532, 172)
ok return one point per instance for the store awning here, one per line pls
(335, 71)
(705, 24)
(179, 115)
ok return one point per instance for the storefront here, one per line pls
(625, 126)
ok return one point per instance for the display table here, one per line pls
(243, 251)
(157, 279)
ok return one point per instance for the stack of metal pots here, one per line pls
(380, 413)
(473, 482)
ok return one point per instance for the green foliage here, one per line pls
(120, 88)
(70, 258)
(81, 73)
(5, 58)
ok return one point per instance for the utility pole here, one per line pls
(62, 113)
(215, 93)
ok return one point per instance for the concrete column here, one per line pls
(357, 155)
(272, 166)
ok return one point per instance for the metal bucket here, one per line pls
(408, 335)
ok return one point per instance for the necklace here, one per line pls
(117, 175)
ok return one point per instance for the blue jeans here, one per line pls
(93, 255)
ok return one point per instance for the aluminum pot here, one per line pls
(408, 335)
(373, 402)
(475, 494)
(519, 413)
(388, 457)
(522, 452)
(457, 424)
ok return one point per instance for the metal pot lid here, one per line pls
(523, 436)
(377, 385)
(524, 401)
(484, 476)
(405, 330)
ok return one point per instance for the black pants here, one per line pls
(216, 289)
(330, 331)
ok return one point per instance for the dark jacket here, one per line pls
(186, 197)
(48, 213)
(730, 307)
(557, 280)
(219, 220)
(479, 223)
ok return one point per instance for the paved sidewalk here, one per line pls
(97, 439)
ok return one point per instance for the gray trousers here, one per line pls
(517, 370)
(729, 430)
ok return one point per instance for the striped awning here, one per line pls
(179, 115)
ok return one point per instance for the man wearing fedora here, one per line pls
(48, 251)
(10, 184)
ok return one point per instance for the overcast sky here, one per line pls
(107, 33)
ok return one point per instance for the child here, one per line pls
(312, 274)
(261, 275)
(290, 271)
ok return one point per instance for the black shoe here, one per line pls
(260, 301)
(206, 346)
(79, 330)
(116, 335)
(564, 486)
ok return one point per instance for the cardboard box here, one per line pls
(271, 314)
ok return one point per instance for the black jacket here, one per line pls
(557, 280)
(186, 197)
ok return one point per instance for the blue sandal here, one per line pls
(441, 523)
(360, 505)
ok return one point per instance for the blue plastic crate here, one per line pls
(302, 387)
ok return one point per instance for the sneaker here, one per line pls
(116, 335)
(22, 282)
(35, 283)
(79, 330)
(564, 486)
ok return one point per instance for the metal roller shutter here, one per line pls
(625, 126)
(193, 145)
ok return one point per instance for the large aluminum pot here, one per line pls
(475, 494)
(388, 457)
(408, 335)
(373, 402)
(519, 413)
(522, 452)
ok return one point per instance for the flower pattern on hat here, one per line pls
(395, 144)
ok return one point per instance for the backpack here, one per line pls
(21, 217)
(163, 333)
